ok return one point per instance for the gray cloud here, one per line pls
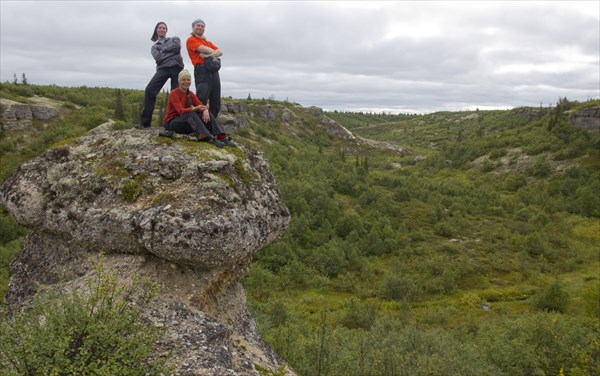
(392, 56)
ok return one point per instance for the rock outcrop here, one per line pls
(186, 215)
(234, 116)
(17, 116)
(588, 118)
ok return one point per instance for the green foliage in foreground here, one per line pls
(95, 333)
(11, 240)
(536, 344)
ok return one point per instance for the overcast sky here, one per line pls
(393, 56)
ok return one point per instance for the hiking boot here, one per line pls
(141, 126)
(215, 142)
(228, 142)
(169, 134)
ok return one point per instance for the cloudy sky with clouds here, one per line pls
(393, 56)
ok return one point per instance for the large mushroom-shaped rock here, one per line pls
(184, 214)
(187, 202)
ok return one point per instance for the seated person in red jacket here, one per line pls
(186, 114)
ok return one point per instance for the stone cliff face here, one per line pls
(16, 115)
(184, 214)
(588, 118)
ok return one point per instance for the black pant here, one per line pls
(208, 88)
(192, 123)
(153, 88)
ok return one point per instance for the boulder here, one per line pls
(266, 112)
(187, 215)
(15, 115)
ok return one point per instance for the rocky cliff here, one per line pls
(588, 118)
(17, 116)
(186, 215)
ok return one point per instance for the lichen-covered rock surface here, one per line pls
(187, 202)
(187, 215)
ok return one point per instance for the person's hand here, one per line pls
(205, 115)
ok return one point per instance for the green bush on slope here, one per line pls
(95, 333)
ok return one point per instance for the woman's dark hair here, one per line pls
(155, 35)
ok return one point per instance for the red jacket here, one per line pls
(176, 105)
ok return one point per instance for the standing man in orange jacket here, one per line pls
(208, 84)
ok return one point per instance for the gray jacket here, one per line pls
(167, 53)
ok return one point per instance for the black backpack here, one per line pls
(212, 64)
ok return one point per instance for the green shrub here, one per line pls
(488, 166)
(498, 294)
(278, 313)
(591, 299)
(540, 168)
(399, 287)
(358, 315)
(514, 181)
(98, 333)
(260, 282)
(8, 145)
(330, 259)
(537, 344)
(7, 252)
(9, 228)
(498, 153)
(552, 298)
(445, 229)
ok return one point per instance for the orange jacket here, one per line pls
(192, 43)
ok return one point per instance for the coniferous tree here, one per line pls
(561, 106)
(119, 112)
(15, 81)
(459, 137)
(24, 79)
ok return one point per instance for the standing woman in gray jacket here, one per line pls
(167, 53)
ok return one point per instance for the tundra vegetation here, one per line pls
(474, 253)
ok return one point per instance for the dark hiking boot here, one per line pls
(215, 142)
(228, 142)
(169, 134)
(141, 126)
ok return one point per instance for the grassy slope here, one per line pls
(501, 273)
(499, 200)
